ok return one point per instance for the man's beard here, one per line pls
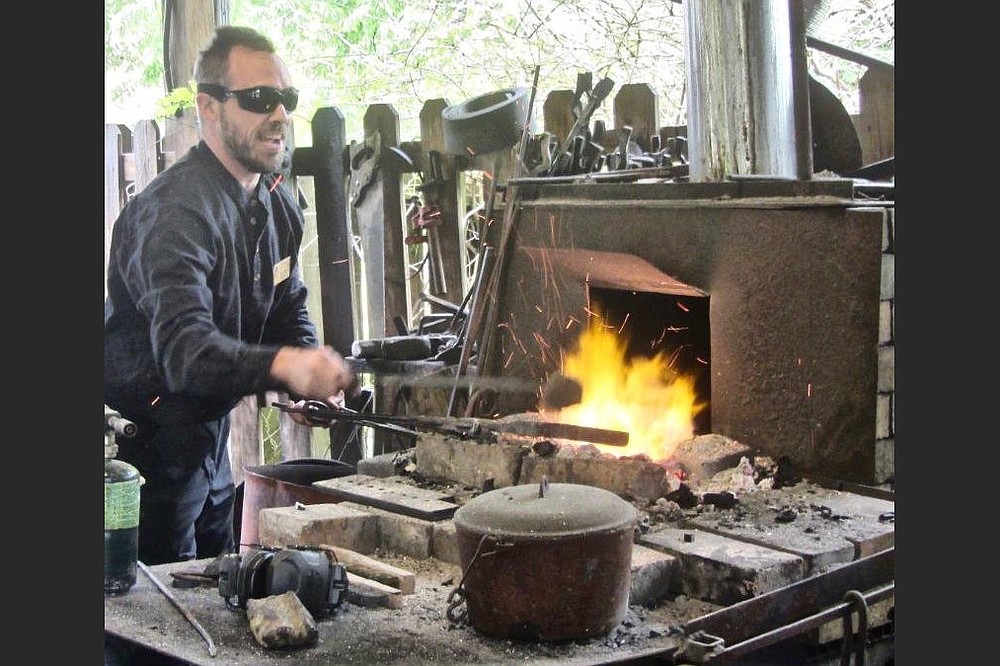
(242, 153)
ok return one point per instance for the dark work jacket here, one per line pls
(202, 291)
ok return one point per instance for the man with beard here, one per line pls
(206, 303)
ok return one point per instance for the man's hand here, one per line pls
(315, 373)
(334, 401)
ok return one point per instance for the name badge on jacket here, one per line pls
(281, 270)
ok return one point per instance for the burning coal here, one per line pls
(642, 396)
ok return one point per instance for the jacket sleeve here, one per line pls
(178, 256)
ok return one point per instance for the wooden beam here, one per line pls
(190, 25)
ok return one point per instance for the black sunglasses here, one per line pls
(259, 99)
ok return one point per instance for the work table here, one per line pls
(418, 633)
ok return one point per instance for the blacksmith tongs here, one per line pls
(321, 414)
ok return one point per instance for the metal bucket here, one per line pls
(283, 484)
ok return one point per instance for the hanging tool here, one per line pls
(484, 430)
(425, 216)
(364, 161)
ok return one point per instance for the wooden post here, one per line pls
(296, 439)
(117, 141)
(876, 121)
(325, 162)
(146, 154)
(381, 218)
(244, 437)
(636, 106)
(192, 23)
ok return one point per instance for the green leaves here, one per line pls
(176, 101)
(350, 54)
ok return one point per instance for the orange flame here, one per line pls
(641, 396)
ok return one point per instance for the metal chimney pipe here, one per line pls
(748, 105)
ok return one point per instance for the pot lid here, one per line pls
(545, 509)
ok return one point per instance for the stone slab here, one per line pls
(722, 570)
(318, 524)
(871, 520)
(390, 495)
(826, 526)
(445, 542)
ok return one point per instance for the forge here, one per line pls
(768, 292)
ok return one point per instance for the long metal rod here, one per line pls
(212, 651)
(757, 615)
(847, 54)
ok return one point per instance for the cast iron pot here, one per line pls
(546, 562)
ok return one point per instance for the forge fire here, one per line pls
(644, 397)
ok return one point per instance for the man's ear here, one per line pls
(207, 109)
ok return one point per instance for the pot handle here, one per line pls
(456, 598)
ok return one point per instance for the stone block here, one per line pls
(887, 369)
(869, 522)
(722, 570)
(885, 460)
(449, 459)
(704, 456)
(444, 544)
(404, 535)
(652, 576)
(887, 285)
(317, 524)
(883, 416)
(821, 525)
(885, 322)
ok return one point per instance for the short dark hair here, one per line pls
(212, 63)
